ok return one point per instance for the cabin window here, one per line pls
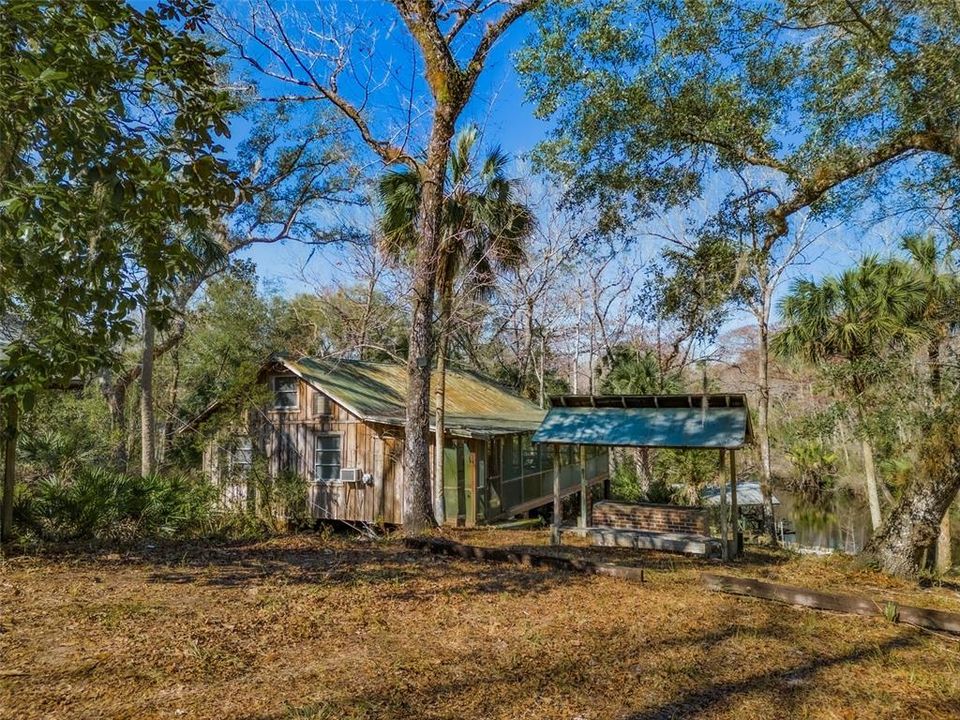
(321, 405)
(241, 456)
(285, 393)
(326, 464)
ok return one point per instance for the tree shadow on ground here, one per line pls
(520, 686)
(404, 575)
(788, 683)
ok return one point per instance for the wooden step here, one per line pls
(649, 540)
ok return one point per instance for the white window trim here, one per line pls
(320, 481)
(273, 386)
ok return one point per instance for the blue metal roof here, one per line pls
(704, 422)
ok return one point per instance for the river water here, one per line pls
(838, 522)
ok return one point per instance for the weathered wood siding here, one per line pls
(287, 439)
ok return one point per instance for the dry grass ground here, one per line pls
(314, 627)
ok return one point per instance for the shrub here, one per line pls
(100, 504)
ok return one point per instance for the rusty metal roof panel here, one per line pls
(376, 392)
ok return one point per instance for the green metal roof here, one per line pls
(376, 392)
(658, 421)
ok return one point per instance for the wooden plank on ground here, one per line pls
(922, 617)
(528, 558)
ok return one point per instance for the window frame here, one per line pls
(243, 443)
(316, 450)
(296, 392)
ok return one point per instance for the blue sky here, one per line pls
(499, 107)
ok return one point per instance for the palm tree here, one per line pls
(632, 371)
(939, 313)
(484, 228)
(854, 321)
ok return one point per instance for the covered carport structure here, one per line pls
(718, 421)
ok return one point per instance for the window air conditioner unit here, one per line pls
(321, 405)
(351, 475)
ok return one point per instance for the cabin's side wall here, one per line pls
(288, 438)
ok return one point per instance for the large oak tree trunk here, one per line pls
(898, 546)
(417, 505)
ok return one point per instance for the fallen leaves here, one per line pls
(327, 627)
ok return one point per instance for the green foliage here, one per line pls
(108, 124)
(631, 371)
(691, 287)
(282, 501)
(528, 384)
(815, 466)
(65, 432)
(484, 225)
(99, 504)
(858, 317)
(649, 102)
(624, 484)
(229, 334)
(679, 476)
(686, 473)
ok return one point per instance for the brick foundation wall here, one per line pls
(656, 518)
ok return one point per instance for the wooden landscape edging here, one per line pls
(524, 557)
(922, 617)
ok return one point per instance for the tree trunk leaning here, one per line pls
(914, 523)
(870, 475)
(148, 429)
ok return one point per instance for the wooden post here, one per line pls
(724, 537)
(734, 510)
(555, 529)
(470, 469)
(584, 519)
(9, 469)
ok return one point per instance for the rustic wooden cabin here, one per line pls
(339, 425)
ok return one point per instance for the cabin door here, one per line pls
(459, 483)
(494, 453)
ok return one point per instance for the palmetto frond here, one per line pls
(399, 195)
(485, 226)
(866, 311)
